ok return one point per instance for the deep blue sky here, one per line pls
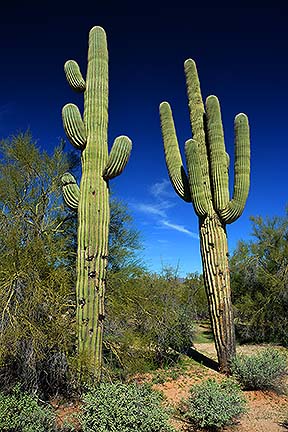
(242, 57)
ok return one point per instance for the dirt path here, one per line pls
(266, 410)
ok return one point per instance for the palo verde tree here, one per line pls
(37, 248)
(259, 280)
(206, 186)
(91, 200)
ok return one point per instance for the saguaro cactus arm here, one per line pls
(74, 76)
(236, 206)
(118, 157)
(196, 106)
(195, 177)
(173, 158)
(70, 189)
(217, 154)
(74, 126)
(198, 124)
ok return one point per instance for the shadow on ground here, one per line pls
(202, 359)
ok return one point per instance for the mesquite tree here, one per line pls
(91, 200)
(206, 186)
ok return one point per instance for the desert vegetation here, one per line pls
(90, 338)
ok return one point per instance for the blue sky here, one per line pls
(241, 55)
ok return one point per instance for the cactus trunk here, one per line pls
(92, 198)
(214, 253)
(92, 256)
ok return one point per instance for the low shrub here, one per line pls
(20, 412)
(213, 405)
(261, 371)
(125, 408)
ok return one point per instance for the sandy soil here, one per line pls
(266, 410)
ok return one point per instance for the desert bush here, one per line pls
(261, 371)
(37, 240)
(213, 405)
(149, 322)
(259, 281)
(125, 408)
(20, 412)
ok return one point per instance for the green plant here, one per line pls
(20, 412)
(37, 238)
(207, 187)
(214, 405)
(92, 198)
(261, 371)
(125, 408)
(149, 322)
(259, 282)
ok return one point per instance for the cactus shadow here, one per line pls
(202, 359)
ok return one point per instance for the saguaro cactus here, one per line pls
(206, 186)
(91, 200)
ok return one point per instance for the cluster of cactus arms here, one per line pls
(207, 186)
(91, 199)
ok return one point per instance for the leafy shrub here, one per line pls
(261, 371)
(149, 322)
(20, 412)
(125, 408)
(214, 405)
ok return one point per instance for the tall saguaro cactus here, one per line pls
(206, 186)
(91, 200)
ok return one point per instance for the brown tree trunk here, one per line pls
(214, 252)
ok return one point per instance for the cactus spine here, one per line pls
(91, 200)
(206, 186)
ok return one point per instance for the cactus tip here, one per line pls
(191, 143)
(189, 62)
(241, 116)
(125, 137)
(211, 99)
(97, 29)
(164, 105)
(66, 64)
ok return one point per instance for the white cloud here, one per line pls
(162, 189)
(150, 209)
(179, 228)
(158, 209)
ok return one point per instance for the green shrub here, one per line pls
(125, 408)
(20, 412)
(261, 371)
(213, 405)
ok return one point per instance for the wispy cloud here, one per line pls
(179, 228)
(162, 189)
(150, 209)
(158, 208)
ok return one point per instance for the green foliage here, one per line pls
(149, 322)
(264, 370)
(36, 279)
(20, 412)
(213, 405)
(259, 280)
(124, 242)
(198, 298)
(37, 274)
(125, 408)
